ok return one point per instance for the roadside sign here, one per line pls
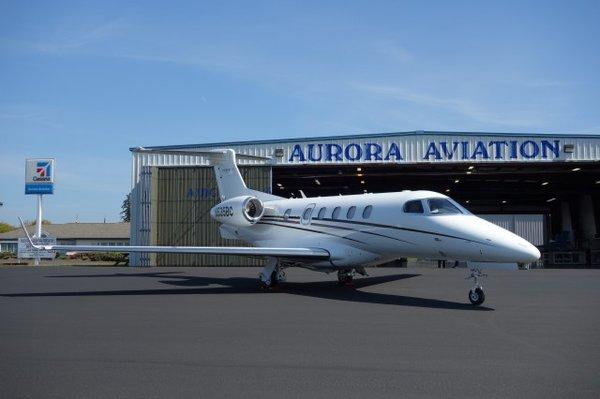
(39, 176)
(26, 251)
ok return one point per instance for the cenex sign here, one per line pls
(435, 150)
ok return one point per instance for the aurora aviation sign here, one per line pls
(434, 150)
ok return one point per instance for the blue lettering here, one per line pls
(329, 153)
(200, 192)
(535, 149)
(357, 152)
(480, 150)
(513, 149)
(546, 145)
(465, 150)
(297, 153)
(207, 192)
(498, 148)
(394, 151)
(444, 147)
(432, 150)
(373, 150)
(311, 155)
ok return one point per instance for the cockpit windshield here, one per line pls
(442, 206)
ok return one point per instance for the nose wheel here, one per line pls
(476, 294)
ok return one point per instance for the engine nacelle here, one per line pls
(239, 211)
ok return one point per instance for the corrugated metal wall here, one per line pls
(530, 227)
(140, 216)
(412, 146)
(181, 201)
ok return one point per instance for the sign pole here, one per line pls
(38, 230)
(39, 180)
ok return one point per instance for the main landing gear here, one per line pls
(345, 277)
(271, 275)
(476, 294)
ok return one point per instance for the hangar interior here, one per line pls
(567, 195)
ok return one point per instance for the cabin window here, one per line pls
(336, 212)
(441, 206)
(287, 214)
(350, 213)
(321, 213)
(367, 211)
(415, 206)
(307, 213)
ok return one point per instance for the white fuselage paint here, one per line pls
(387, 233)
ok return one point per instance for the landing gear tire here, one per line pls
(265, 285)
(345, 278)
(476, 296)
(274, 278)
(271, 282)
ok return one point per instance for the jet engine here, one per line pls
(240, 211)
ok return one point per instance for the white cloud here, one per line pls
(461, 106)
(394, 51)
(29, 112)
(66, 41)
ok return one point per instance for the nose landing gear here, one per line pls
(476, 294)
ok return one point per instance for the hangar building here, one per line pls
(545, 188)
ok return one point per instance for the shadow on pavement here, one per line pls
(191, 285)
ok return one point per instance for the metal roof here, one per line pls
(74, 231)
(362, 136)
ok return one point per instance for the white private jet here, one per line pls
(342, 233)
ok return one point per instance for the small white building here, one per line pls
(74, 234)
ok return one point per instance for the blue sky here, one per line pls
(84, 81)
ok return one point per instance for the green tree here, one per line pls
(4, 227)
(126, 209)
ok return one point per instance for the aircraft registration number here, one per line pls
(224, 211)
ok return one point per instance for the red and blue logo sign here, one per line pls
(39, 177)
(43, 171)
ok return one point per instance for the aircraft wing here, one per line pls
(278, 252)
(305, 253)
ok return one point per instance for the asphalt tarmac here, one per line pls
(98, 332)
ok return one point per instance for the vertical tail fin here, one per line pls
(229, 179)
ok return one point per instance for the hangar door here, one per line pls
(181, 201)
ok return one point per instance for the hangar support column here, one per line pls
(587, 218)
(566, 223)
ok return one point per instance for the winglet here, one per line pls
(27, 234)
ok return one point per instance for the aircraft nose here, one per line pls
(512, 248)
(526, 252)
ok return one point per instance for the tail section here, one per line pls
(229, 180)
